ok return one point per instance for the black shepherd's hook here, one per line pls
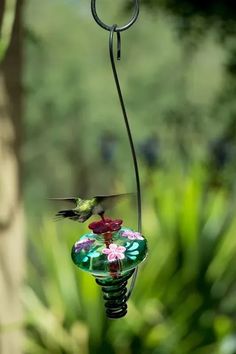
(115, 29)
(111, 52)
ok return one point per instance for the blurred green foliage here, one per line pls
(184, 299)
(179, 91)
(175, 86)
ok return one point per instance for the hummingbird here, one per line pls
(85, 208)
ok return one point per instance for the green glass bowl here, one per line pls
(113, 252)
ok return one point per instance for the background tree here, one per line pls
(11, 211)
(215, 11)
(195, 15)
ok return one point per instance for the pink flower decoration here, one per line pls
(132, 235)
(83, 244)
(114, 252)
(106, 225)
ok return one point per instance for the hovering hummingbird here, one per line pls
(84, 208)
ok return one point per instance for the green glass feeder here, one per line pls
(111, 253)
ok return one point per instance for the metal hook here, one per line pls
(117, 29)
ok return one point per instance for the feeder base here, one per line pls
(114, 295)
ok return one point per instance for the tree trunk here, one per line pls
(11, 211)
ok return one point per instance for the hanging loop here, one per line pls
(117, 29)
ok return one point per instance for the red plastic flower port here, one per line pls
(106, 225)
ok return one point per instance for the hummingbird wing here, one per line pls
(71, 200)
(106, 201)
(72, 214)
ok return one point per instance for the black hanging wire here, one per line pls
(125, 116)
(115, 29)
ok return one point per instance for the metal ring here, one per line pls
(117, 29)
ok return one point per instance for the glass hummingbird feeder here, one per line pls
(111, 253)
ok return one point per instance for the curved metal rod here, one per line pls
(136, 170)
(117, 29)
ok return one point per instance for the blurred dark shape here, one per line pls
(32, 37)
(231, 65)
(108, 146)
(220, 152)
(150, 151)
(221, 159)
(222, 149)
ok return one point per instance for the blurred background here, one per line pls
(62, 134)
